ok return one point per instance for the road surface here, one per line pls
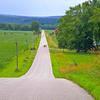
(39, 83)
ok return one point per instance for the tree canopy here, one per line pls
(80, 28)
(23, 27)
(35, 26)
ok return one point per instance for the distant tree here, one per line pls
(11, 26)
(35, 26)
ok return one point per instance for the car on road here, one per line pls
(45, 45)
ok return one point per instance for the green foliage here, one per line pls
(25, 27)
(35, 26)
(22, 27)
(49, 26)
(15, 27)
(79, 29)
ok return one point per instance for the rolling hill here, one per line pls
(28, 20)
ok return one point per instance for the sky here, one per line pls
(36, 7)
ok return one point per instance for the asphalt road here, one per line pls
(39, 83)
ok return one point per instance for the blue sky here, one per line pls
(36, 7)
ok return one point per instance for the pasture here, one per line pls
(26, 42)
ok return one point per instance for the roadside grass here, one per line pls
(26, 41)
(52, 41)
(81, 68)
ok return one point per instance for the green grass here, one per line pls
(81, 68)
(26, 41)
(52, 41)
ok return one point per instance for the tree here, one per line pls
(80, 27)
(95, 22)
(35, 26)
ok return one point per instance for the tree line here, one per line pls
(80, 28)
(25, 27)
(20, 27)
(5, 26)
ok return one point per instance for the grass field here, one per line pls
(81, 68)
(52, 41)
(26, 41)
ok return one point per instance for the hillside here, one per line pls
(28, 20)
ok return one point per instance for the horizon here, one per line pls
(29, 16)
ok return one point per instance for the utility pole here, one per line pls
(17, 56)
(27, 45)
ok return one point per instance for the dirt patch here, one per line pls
(74, 68)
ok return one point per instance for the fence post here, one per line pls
(17, 56)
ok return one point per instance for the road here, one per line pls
(39, 83)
